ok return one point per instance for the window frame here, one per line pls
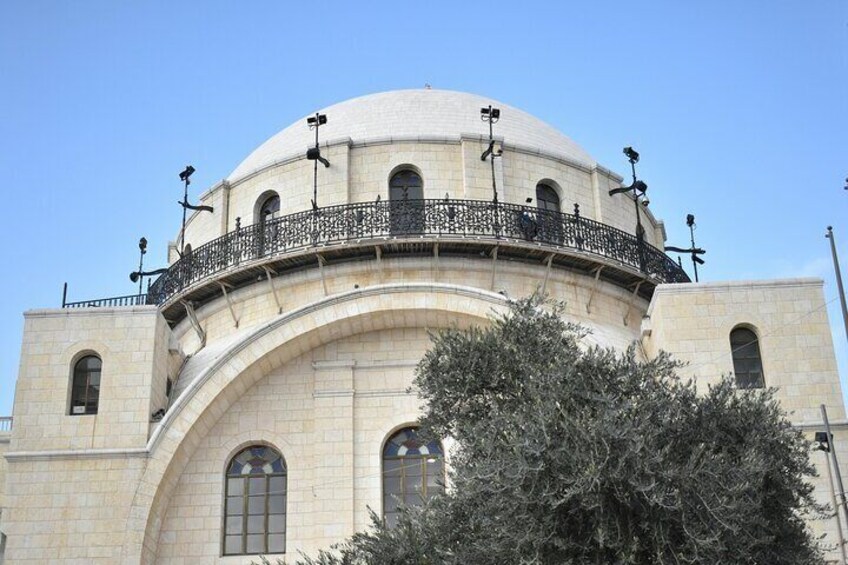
(737, 350)
(422, 459)
(90, 408)
(246, 496)
(544, 186)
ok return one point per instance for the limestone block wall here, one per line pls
(612, 313)
(329, 412)
(69, 508)
(438, 162)
(693, 321)
(132, 344)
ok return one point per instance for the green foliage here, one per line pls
(568, 454)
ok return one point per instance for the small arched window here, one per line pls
(85, 389)
(412, 472)
(255, 503)
(547, 198)
(406, 211)
(747, 363)
(406, 185)
(268, 207)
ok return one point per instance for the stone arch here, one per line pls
(253, 354)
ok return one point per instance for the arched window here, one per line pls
(255, 507)
(406, 193)
(270, 207)
(412, 472)
(547, 198)
(85, 389)
(747, 363)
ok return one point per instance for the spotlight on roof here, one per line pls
(314, 154)
(493, 113)
(142, 245)
(317, 119)
(690, 220)
(184, 176)
(631, 154)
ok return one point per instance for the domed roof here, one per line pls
(405, 114)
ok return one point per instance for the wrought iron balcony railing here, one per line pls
(413, 219)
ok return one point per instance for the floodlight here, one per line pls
(631, 154)
(184, 176)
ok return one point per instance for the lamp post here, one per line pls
(839, 287)
(142, 247)
(185, 176)
(314, 154)
(693, 251)
(638, 188)
(491, 115)
(825, 441)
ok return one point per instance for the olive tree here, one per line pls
(566, 453)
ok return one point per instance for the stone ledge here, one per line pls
(77, 454)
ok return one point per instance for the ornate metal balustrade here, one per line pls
(407, 219)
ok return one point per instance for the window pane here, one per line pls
(235, 487)
(232, 544)
(256, 505)
(257, 485)
(390, 504)
(278, 485)
(234, 524)
(277, 523)
(391, 485)
(391, 519)
(256, 544)
(255, 524)
(411, 499)
(235, 506)
(276, 504)
(391, 466)
(277, 543)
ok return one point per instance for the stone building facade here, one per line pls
(256, 399)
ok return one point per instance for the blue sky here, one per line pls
(739, 109)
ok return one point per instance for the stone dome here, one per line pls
(410, 114)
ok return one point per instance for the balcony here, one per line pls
(408, 227)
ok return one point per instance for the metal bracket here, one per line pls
(549, 261)
(632, 302)
(594, 289)
(229, 302)
(379, 251)
(192, 318)
(268, 272)
(494, 266)
(321, 263)
(436, 260)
